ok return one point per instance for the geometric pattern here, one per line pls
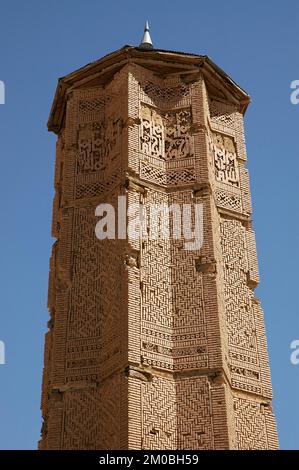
(150, 345)
(87, 406)
(250, 425)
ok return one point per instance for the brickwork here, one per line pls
(150, 345)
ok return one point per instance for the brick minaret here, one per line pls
(151, 346)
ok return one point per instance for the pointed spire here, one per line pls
(146, 41)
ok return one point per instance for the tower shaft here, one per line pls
(151, 345)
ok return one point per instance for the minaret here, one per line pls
(152, 345)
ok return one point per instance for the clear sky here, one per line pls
(256, 43)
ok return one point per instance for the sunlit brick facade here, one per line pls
(151, 346)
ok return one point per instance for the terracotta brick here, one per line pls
(151, 346)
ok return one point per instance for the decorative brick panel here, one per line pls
(150, 345)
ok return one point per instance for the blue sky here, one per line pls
(257, 44)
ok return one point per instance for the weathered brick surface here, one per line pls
(149, 345)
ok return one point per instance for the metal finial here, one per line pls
(146, 41)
